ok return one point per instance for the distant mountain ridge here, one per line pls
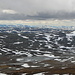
(39, 26)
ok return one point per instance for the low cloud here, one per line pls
(59, 15)
(7, 11)
(38, 16)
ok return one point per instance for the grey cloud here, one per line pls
(38, 9)
(39, 16)
(58, 15)
(12, 17)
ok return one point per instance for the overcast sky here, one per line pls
(37, 9)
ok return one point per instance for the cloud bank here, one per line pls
(37, 9)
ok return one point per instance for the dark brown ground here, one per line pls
(70, 69)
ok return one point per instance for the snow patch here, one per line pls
(39, 74)
(25, 37)
(24, 74)
(47, 37)
(73, 32)
(49, 55)
(25, 65)
(2, 74)
(17, 42)
(19, 59)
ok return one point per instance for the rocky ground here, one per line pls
(37, 51)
